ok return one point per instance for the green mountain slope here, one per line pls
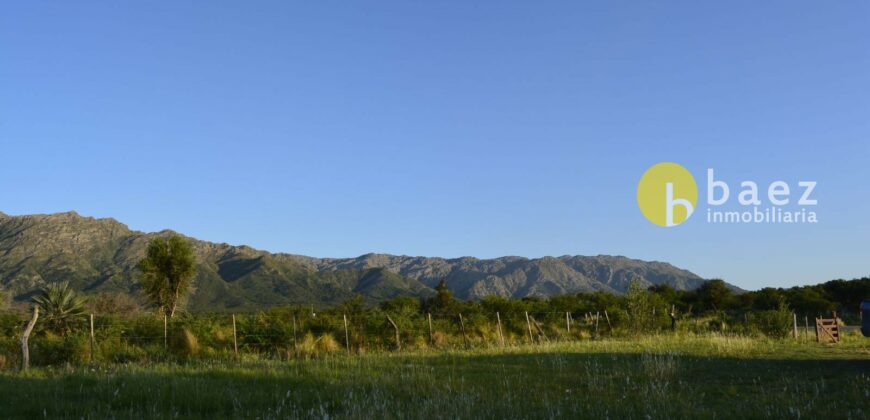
(100, 255)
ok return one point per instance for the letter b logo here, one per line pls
(667, 194)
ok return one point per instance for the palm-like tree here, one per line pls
(61, 306)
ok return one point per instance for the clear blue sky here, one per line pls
(443, 128)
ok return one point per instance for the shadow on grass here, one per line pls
(453, 385)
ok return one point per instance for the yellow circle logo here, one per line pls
(667, 194)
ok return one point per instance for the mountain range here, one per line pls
(100, 255)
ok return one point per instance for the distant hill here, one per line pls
(97, 255)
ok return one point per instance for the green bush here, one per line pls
(52, 349)
(183, 343)
(776, 323)
(10, 324)
(116, 350)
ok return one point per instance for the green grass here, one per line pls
(657, 377)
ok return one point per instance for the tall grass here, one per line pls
(686, 376)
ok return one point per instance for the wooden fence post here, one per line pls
(165, 335)
(541, 332)
(396, 328)
(597, 318)
(794, 320)
(529, 326)
(462, 325)
(609, 327)
(568, 323)
(500, 335)
(235, 338)
(294, 334)
(346, 335)
(92, 338)
(25, 335)
(431, 337)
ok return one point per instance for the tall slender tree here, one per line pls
(167, 270)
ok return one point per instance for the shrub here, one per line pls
(9, 351)
(183, 343)
(307, 347)
(52, 349)
(439, 339)
(310, 347)
(10, 324)
(327, 344)
(118, 351)
(775, 323)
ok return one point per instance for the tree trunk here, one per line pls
(25, 335)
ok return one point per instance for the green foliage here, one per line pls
(113, 304)
(10, 324)
(167, 270)
(640, 308)
(714, 294)
(60, 307)
(776, 323)
(51, 349)
(443, 301)
(184, 343)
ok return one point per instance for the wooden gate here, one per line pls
(827, 330)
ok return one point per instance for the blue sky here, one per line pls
(443, 128)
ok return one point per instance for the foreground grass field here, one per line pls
(657, 377)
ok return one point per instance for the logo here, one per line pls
(667, 194)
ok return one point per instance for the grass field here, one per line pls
(649, 377)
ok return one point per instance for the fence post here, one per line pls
(541, 332)
(165, 335)
(294, 333)
(346, 335)
(396, 328)
(597, 318)
(567, 323)
(500, 335)
(431, 337)
(529, 326)
(462, 325)
(92, 338)
(235, 338)
(794, 319)
(609, 327)
(25, 335)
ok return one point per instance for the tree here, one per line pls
(714, 294)
(113, 304)
(639, 308)
(61, 307)
(167, 271)
(443, 301)
(767, 298)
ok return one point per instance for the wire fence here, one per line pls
(302, 333)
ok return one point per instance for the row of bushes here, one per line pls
(297, 333)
